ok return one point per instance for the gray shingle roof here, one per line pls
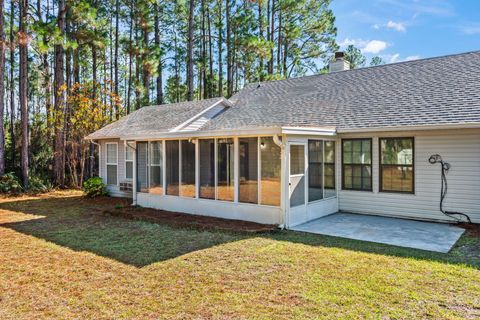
(152, 120)
(435, 91)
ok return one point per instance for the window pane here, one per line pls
(297, 159)
(155, 153)
(397, 151)
(172, 158)
(128, 153)
(188, 169)
(315, 166)
(348, 176)
(397, 164)
(112, 153)
(207, 168)
(129, 170)
(225, 158)
(270, 156)
(397, 178)
(156, 183)
(357, 161)
(329, 151)
(248, 154)
(111, 174)
(142, 177)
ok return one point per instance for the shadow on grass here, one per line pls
(79, 224)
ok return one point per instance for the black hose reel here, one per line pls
(445, 166)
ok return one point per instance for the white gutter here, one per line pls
(205, 134)
(472, 125)
(325, 131)
(320, 131)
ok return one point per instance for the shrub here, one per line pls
(9, 183)
(94, 187)
(39, 185)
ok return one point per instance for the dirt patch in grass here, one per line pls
(183, 220)
(471, 229)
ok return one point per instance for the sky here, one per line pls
(401, 30)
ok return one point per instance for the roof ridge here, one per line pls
(259, 83)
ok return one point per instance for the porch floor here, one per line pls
(430, 236)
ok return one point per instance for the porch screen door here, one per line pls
(297, 175)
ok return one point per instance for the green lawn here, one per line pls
(60, 257)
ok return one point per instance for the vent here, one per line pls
(202, 118)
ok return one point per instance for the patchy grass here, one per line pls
(61, 258)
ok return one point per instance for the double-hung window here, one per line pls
(112, 163)
(396, 165)
(357, 164)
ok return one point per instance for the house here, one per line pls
(289, 151)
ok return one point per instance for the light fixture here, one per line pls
(262, 145)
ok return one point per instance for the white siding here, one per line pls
(114, 191)
(460, 148)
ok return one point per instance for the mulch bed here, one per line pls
(177, 219)
(471, 229)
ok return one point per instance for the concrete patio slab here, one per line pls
(430, 236)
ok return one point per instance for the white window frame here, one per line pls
(133, 156)
(110, 163)
(323, 170)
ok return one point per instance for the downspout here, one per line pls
(279, 142)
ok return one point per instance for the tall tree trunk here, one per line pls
(23, 87)
(229, 51)
(210, 56)
(190, 51)
(117, 26)
(260, 33)
(272, 32)
(68, 76)
(157, 44)
(2, 88)
(130, 60)
(59, 105)
(220, 49)
(279, 40)
(146, 67)
(204, 52)
(12, 85)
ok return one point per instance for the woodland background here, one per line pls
(67, 68)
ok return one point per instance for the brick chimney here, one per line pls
(339, 63)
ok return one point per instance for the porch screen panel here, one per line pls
(329, 169)
(156, 183)
(128, 162)
(187, 186)
(142, 177)
(172, 166)
(315, 170)
(270, 168)
(112, 163)
(225, 159)
(248, 156)
(207, 168)
(297, 175)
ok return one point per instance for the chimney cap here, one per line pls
(339, 55)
